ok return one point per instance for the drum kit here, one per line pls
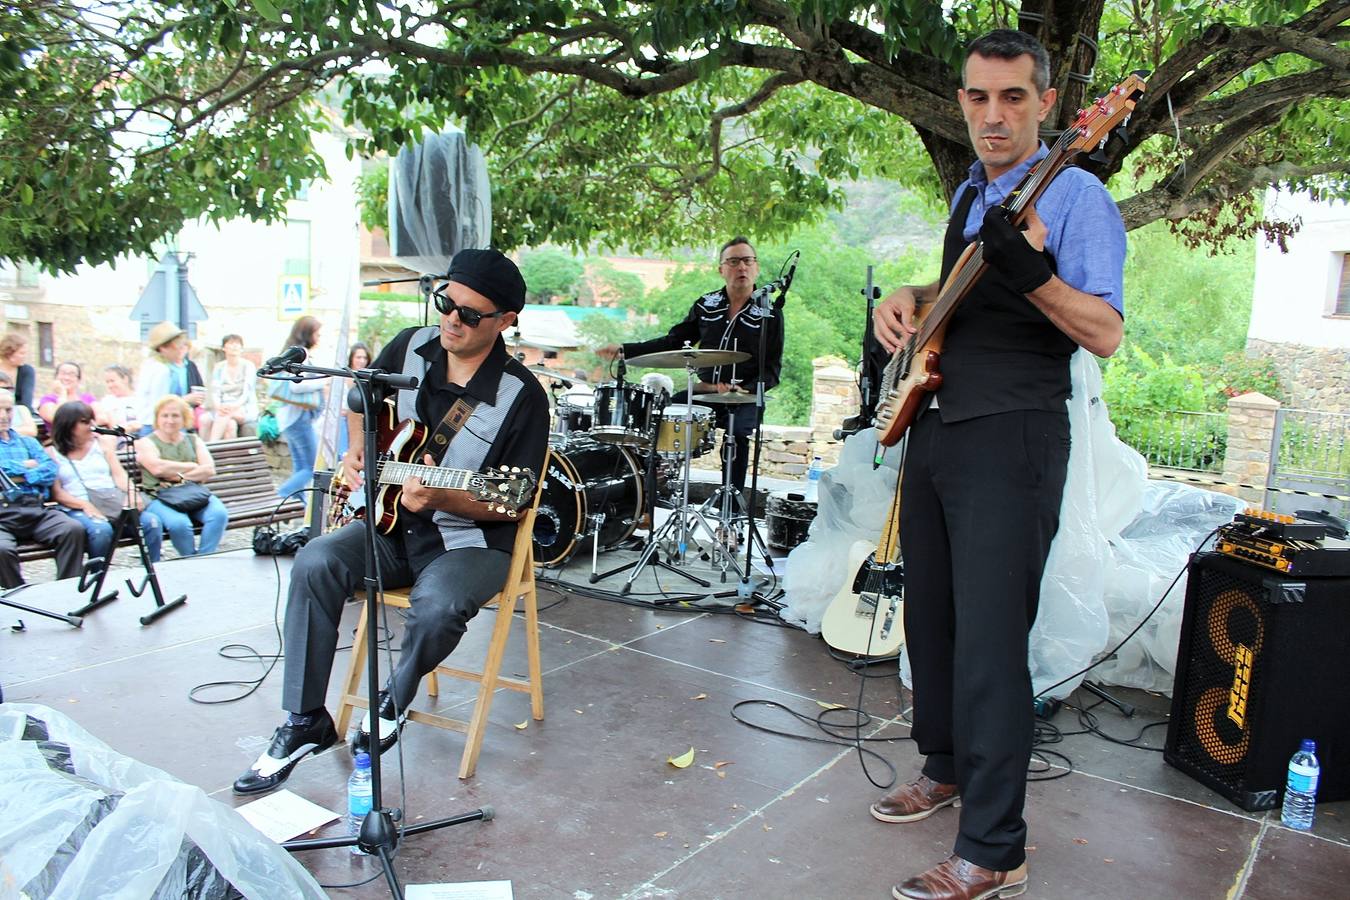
(619, 444)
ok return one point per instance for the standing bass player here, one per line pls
(985, 465)
(453, 549)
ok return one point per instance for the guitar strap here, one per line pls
(454, 420)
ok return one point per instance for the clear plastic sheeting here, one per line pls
(1172, 522)
(78, 820)
(440, 202)
(1121, 539)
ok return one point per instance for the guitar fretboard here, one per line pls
(432, 476)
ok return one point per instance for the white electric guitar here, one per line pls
(866, 617)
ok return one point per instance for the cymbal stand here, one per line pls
(676, 528)
(728, 506)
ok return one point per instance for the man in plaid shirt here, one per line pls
(26, 476)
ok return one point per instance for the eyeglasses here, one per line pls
(738, 261)
(469, 316)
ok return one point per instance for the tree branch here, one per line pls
(1160, 202)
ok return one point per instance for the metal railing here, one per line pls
(1314, 443)
(1175, 439)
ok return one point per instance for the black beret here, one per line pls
(491, 274)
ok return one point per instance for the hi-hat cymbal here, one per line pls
(690, 356)
(731, 398)
(558, 376)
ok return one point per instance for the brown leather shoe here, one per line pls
(914, 801)
(958, 879)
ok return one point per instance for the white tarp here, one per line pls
(1120, 542)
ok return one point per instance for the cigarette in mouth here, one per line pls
(988, 144)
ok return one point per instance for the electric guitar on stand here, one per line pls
(865, 617)
(399, 443)
(914, 371)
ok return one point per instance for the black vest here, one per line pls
(1001, 353)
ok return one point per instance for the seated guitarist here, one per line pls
(985, 466)
(451, 548)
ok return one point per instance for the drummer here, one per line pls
(726, 320)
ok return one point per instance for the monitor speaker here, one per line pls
(1260, 666)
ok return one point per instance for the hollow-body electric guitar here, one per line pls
(913, 371)
(399, 444)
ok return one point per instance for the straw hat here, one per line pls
(162, 333)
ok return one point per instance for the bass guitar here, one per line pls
(913, 371)
(507, 490)
(865, 617)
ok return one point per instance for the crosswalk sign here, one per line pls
(292, 295)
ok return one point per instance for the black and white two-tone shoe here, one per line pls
(290, 744)
(389, 727)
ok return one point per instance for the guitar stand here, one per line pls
(129, 520)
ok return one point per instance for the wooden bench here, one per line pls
(243, 482)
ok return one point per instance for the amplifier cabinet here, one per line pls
(1261, 665)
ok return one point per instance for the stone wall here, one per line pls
(1316, 378)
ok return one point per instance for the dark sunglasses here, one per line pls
(470, 317)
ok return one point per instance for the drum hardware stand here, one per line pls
(650, 548)
(128, 524)
(727, 504)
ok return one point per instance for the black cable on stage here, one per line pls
(245, 651)
(862, 720)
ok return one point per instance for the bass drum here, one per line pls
(586, 479)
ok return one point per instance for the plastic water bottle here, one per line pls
(813, 480)
(1300, 792)
(358, 798)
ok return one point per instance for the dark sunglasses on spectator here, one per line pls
(469, 316)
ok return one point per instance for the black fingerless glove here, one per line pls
(1006, 249)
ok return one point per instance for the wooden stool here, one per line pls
(519, 586)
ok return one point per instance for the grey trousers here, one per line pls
(46, 526)
(445, 595)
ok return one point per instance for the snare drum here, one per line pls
(671, 432)
(788, 520)
(624, 416)
(586, 479)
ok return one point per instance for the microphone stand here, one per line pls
(379, 836)
(752, 531)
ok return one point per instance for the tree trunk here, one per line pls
(1068, 30)
(952, 160)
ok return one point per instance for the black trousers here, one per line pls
(979, 509)
(445, 595)
(46, 526)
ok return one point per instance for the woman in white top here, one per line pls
(91, 484)
(298, 410)
(119, 407)
(234, 391)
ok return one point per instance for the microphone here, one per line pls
(115, 431)
(293, 355)
(761, 295)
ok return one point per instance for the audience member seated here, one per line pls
(168, 371)
(91, 485)
(168, 455)
(119, 408)
(14, 363)
(69, 387)
(24, 422)
(234, 392)
(26, 476)
(358, 357)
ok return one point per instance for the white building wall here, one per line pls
(1295, 292)
(236, 268)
